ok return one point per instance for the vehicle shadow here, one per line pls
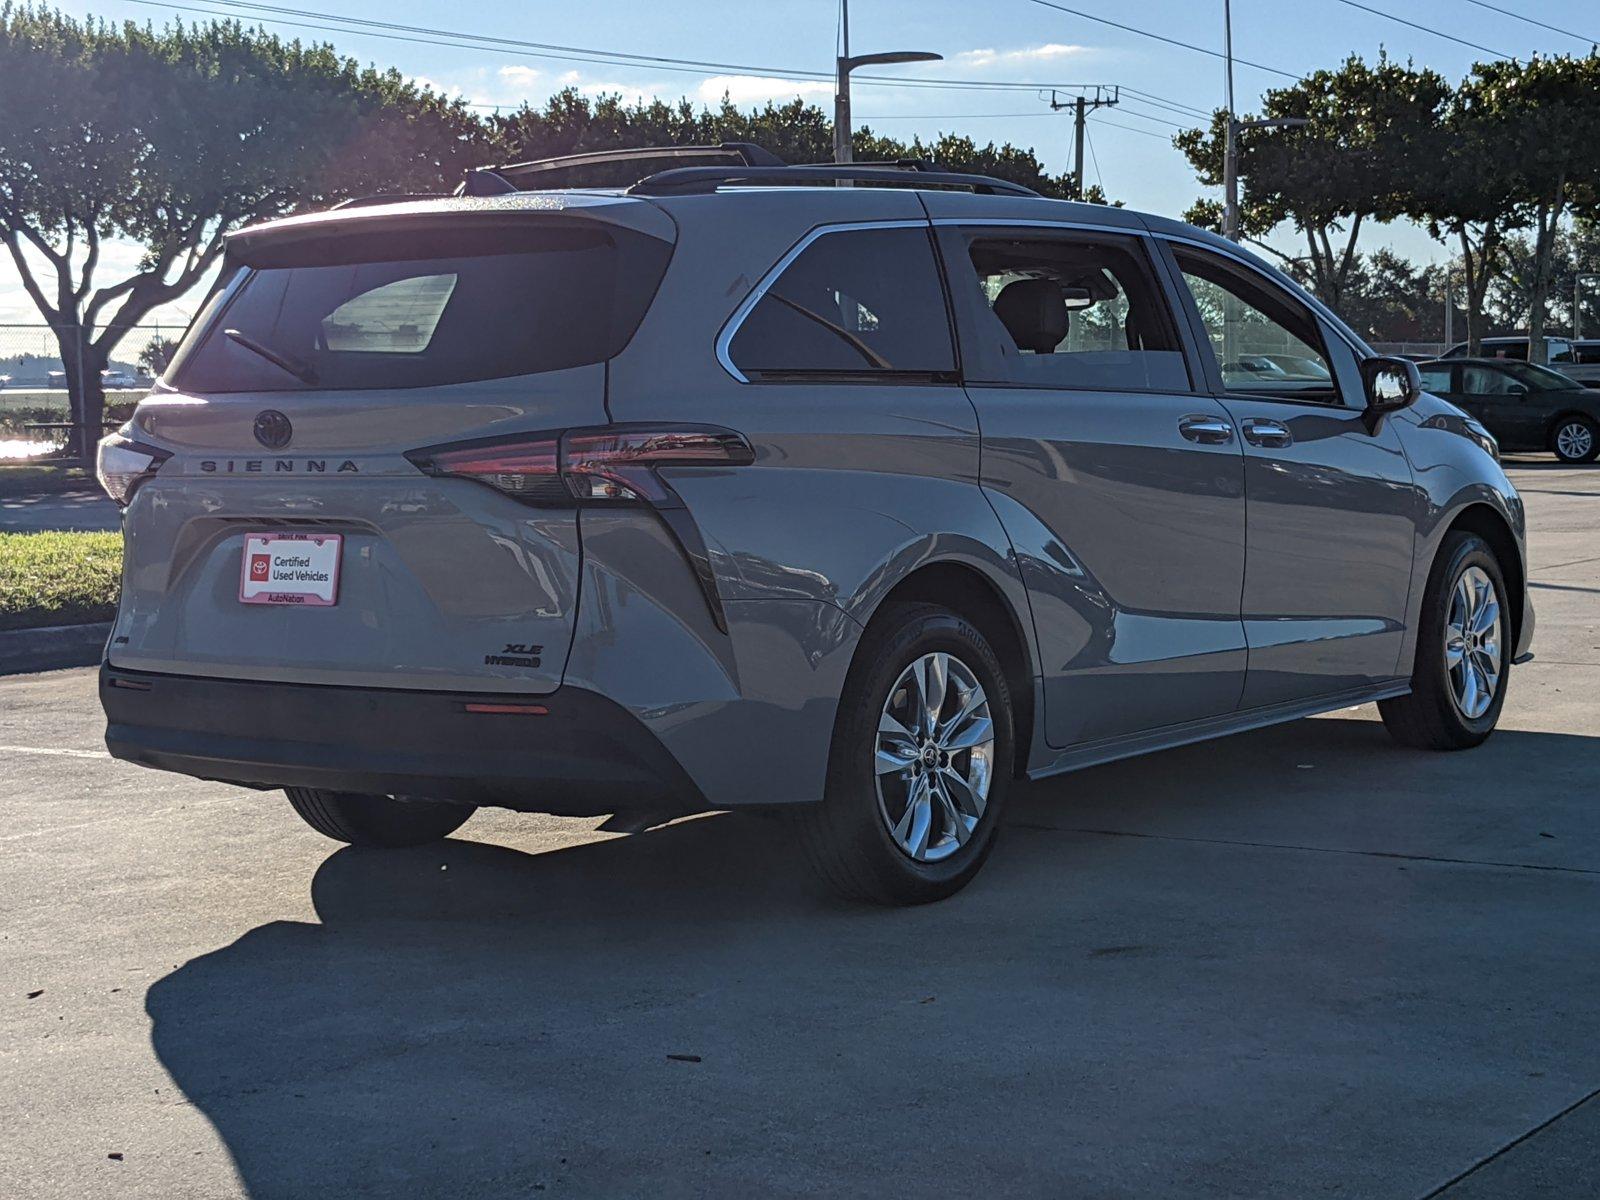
(680, 1012)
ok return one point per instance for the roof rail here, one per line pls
(390, 198)
(907, 173)
(525, 176)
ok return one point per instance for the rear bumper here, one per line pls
(584, 756)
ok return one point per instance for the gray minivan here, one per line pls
(737, 488)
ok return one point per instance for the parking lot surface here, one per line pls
(1294, 963)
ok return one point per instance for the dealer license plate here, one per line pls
(291, 568)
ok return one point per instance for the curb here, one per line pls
(52, 647)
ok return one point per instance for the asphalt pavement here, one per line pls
(1292, 963)
(85, 510)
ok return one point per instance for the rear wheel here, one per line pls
(366, 820)
(1575, 440)
(920, 762)
(1458, 685)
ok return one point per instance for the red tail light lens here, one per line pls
(619, 464)
(527, 470)
(616, 463)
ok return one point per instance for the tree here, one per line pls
(796, 132)
(1344, 167)
(172, 138)
(1550, 109)
(157, 354)
(1464, 191)
(1388, 298)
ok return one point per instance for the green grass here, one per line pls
(58, 578)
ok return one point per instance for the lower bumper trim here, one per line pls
(584, 756)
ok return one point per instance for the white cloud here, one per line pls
(520, 77)
(753, 89)
(1046, 53)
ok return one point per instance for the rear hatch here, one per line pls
(288, 536)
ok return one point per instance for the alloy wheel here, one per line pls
(1472, 647)
(935, 756)
(1575, 440)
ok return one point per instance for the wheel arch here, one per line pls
(967, 590)
(1485, 521)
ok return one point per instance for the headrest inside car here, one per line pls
(1034, 313)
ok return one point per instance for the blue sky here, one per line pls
(986, 40)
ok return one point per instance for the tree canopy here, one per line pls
(796, 132)
(171, 138)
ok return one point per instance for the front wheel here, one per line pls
(365, 820)
(1575, 440)
(920, 762)
(1458, 685)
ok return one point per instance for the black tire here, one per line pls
(847, 837)
(1581, 425)
(1430, 718)
(364, 820)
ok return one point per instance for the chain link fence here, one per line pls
(38, 391)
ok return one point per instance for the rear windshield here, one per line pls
(420, 311)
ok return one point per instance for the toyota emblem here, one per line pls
(273, 429)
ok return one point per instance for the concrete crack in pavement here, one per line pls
(1511, 1145)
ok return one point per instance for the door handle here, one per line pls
(1208, 431)
(1272, 434)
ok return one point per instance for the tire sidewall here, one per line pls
(1472, 551)
(852, 786)
(1594, 440)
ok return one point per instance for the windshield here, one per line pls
(542, 299)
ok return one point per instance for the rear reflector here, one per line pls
(518, 710)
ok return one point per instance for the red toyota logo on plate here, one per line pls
(260, 564)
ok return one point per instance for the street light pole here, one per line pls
(841, 79)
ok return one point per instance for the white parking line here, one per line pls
(54, 750)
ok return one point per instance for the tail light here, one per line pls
(121, 464)
(615, 463)
(608, 465)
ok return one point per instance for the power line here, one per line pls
(1183, 110)
(1158, 119)
(585, 54)
(1133, 129)
(1519, 17)
(1244, 62)
(1449, 37)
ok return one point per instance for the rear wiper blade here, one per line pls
(280, 360)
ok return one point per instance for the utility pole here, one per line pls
(1082, 106)
(843, 65)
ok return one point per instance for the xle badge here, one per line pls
(516, 654)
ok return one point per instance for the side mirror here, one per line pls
(1517, 389)
(1391, 384)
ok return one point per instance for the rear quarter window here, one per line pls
(453, 307)
(851, 303)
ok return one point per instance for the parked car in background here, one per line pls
(117, 378)
(1526, 407)
(1585, 363)
(1557, 349)
(722, 492)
